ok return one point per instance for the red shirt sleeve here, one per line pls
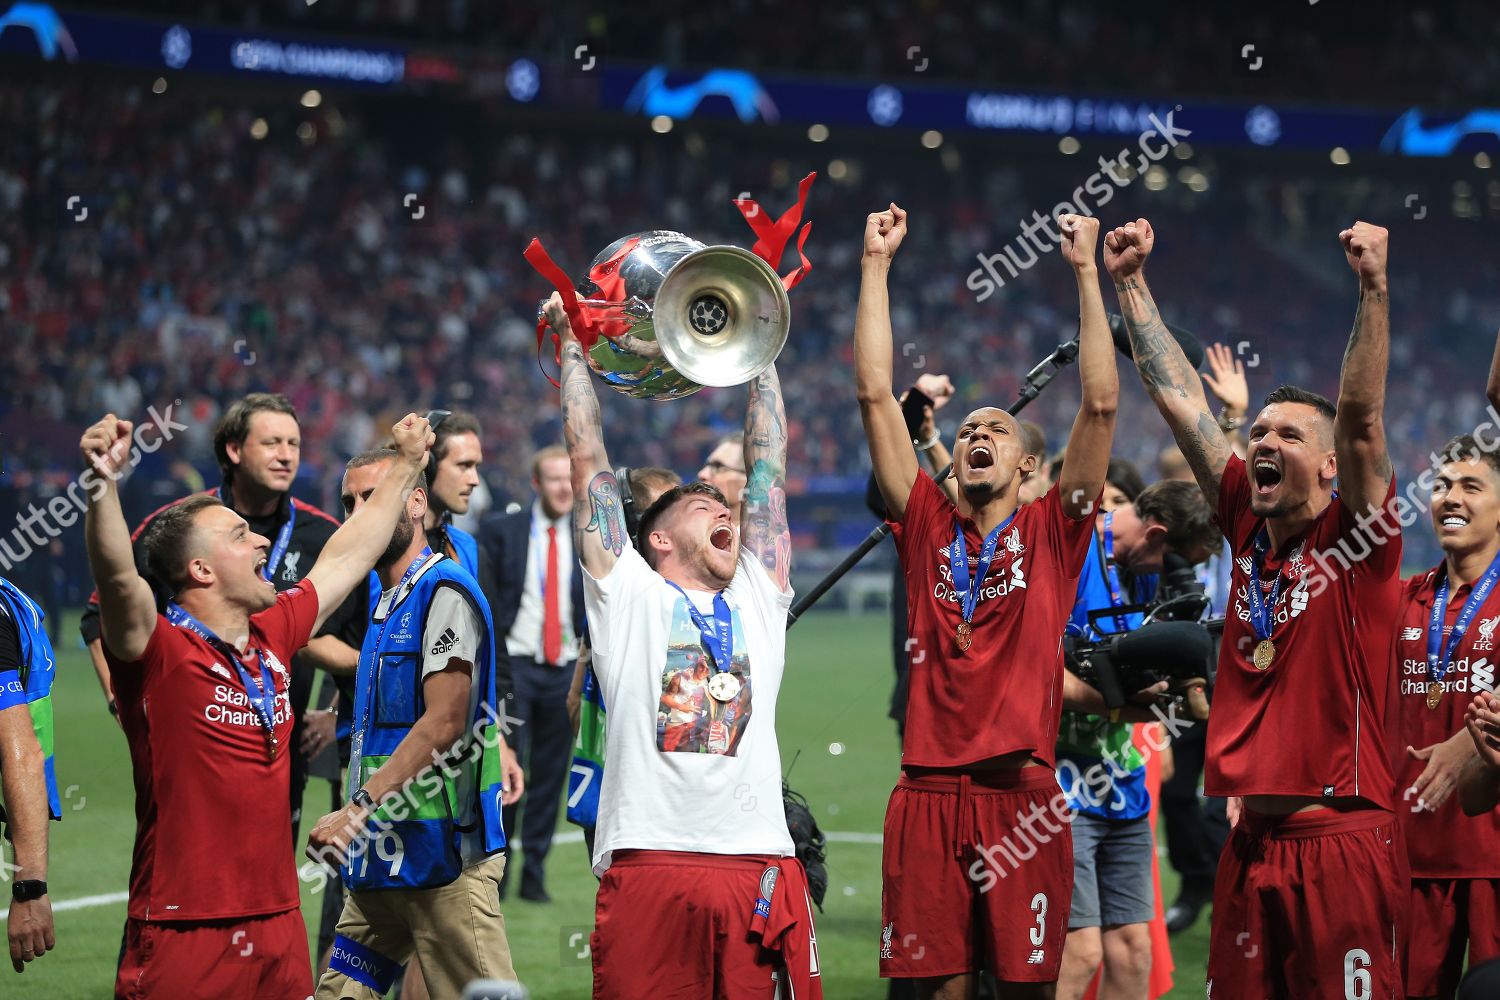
(1235, 518)
(288, 624)
(1374, 546)
(926, 502)
(1070, 539)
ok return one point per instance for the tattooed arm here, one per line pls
(598, 518)
(1359, 428)
(763, 528)
(1172, 383)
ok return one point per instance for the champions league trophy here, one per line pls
(660, 315)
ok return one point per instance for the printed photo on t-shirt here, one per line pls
(688, 718)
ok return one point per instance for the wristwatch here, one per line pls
(362, 798)
(27, 890)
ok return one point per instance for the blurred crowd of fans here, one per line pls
(365, 259)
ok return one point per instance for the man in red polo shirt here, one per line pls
(1444, 656)
(204, 698)
(990, 585)
(1311, 889)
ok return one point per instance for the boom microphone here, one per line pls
(1189, 343)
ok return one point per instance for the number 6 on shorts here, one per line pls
(1357, 975)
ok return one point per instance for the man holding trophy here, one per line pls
(701, 893)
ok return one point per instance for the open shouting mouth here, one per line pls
(722, 538)
(1268, 476)
(981, 457)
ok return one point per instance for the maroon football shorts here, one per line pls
(1447, 917)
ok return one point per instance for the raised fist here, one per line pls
(1080, 238)
(1126, 248)
(106, 446)
(413, 436)
(884, 232)
(1365, 248)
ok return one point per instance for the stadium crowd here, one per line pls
(215, 258)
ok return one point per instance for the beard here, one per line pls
(400, 539)
(705, 557)
(980, 494)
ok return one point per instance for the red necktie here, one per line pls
(551, 618)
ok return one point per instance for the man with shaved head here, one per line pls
(990, 584)
(1311, 889)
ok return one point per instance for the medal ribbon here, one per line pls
(718, 636)
(958, 559)
(356, 755)
(1437, 665)
(1262, 613)
(1111, 575)
(262, 696)
(283, 539)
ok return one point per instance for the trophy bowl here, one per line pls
(676, 315)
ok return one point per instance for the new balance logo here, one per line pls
(445, 642)
(1037, 955)
(1411, 634)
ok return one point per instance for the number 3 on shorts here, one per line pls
(1039, 907)
(1357, 975)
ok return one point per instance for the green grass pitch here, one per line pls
(835, 697)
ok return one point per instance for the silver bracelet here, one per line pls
(930, 443)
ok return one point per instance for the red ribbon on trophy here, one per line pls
(590, 322)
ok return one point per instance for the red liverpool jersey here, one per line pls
(1445, 843)
(1316, 721)
(1005, 693)
(213, 821)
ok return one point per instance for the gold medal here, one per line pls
(1434, 694)
(965, 636)
(1265, 652)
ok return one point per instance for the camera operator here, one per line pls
(1113, 891)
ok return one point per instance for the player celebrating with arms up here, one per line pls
(701, 894)
(1311, 887)
(989, 586)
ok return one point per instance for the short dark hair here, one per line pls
(1181, 508)
(168, 541)
(375, 456)
(234, 425)
(1294, 394)
(1466, 448)
(665, 503)
(456, 423)
(1125, 477)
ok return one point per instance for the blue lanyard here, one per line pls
(1437, 665)
(262, 696)
(355, 779)
(283, 539)
(1111, 577)
(1262, 613)
(718, 636)
(958, 559)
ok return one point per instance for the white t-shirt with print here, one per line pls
(687, 773)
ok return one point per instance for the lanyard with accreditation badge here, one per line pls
(1440, 654)
(283, 539)
(358, 737)
(958, 559)
(262, 696)
(718, 640)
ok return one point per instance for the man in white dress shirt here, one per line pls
(538, 608)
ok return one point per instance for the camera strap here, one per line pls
(1111, 573)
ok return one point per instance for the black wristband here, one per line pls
(27, 890)
(362, 798)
